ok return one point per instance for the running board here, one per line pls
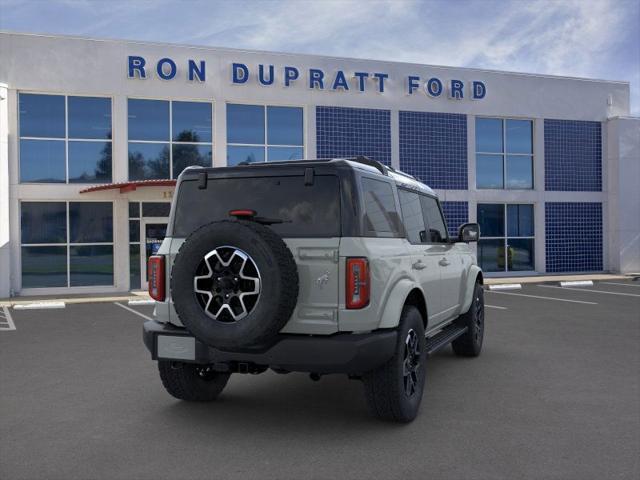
(444, 338)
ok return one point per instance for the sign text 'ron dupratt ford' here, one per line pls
(313, 78)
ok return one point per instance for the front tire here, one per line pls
(190, 382)
(394, 390)
(470, 344)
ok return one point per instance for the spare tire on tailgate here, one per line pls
(234, 284)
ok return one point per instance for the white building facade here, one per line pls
(93, 133)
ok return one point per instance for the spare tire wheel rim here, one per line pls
(227, 284)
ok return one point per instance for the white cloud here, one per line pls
(591, 38)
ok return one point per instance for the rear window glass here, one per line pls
(380, 215)
(306, 210)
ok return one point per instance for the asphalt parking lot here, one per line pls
(555, 394)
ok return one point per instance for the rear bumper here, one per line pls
(340, 353)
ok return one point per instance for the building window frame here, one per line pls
(170, 142)
(66, 138)
(67, 244)
(506, 237)
(266, 145)
(504, 154)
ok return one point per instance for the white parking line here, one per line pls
(622, 284)
(7, 324)
(591, 290)
(133, 311)
(495, 306)
(545, 298)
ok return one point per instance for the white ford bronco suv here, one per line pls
(318, 266)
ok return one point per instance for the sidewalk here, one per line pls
(77, 298)
(557, 278)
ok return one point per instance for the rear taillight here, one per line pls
(155, 274)
(358, 284)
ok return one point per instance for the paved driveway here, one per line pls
(555, 394)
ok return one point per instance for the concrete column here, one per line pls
(5, 244)
(623, 206)
(120, 160)
(395, 138)
(311, 147)
(219, 134)
(538, 185)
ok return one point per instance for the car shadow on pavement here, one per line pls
(272, 402)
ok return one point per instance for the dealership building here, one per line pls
(93, 134)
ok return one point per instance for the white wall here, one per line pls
(623, 160)
(5, 250)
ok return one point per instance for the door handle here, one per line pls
(444, 262)
(418, 265)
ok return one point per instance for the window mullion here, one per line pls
(68, 248)
(266, 139)
(66, 139)
(171, 139)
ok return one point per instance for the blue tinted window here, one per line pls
(185, 155)
(148, 120)
(489, 135)
(519, 136)
(42, 161)
(134, 230)
(491, 219)
(156, 209)
(245, 124)
(236, 154)
(90, 222)
(44, 267)
(148, 160)
(284, 126)
(43, 222)
(89, 162)
(491, 255)
(91, 265)
(519, 172)
(489, 172)
(520, 220)
(89, 117)
(520, 254)
(191, 121)
(284, 153)
(134, 266)
(41, 115)
(134, 210)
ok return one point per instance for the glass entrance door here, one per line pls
(153, 233)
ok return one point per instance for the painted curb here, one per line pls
(577, 283)
(141, 302)
(506, 286)
(39, 306)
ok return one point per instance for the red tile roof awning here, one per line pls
(130, 186)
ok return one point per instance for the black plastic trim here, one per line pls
(349, 353)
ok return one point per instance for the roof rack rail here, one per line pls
(369, 161)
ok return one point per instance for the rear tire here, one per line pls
(394, 390)
(190, 382)
(470, 344)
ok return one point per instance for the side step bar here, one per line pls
(444, 338)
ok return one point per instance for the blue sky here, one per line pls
(583, 38)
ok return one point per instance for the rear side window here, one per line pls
(412, 216)
(380, 214)
(305, 210)
(437, 229)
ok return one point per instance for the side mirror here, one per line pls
(469, 232)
